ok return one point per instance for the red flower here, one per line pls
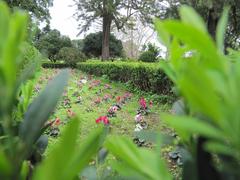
(143, 103)
(150, 103)
(118, 99)
(103, 119)
(57, 122)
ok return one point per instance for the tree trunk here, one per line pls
(107, 20)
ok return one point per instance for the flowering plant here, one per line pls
(112, 111)
(103, 119)
(143, 109)
(70, 113)
(143, 103)
(138, 117)
(127, 96)
(57, 122)
(98, 100)
(107, 86)
(67, 103)
(107, 97)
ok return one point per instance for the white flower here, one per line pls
(84, 81)
(138, 118)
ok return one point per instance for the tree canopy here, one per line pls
(92, 45)
(113, 12)
(51, 42)
(37, 9)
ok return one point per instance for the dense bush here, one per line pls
(51, 42)
(147, 77)
(150, 53)
(92, 45)
(71, 55)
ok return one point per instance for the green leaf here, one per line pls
(41, 108)
(67, 160)
(163, 35)
(54, 166)
(190, 16)
(132, 158)
(86, 151)
(197, 40)
(5, 166)
(192, 126)
(219, 148)
(221, 29)
(179, 107)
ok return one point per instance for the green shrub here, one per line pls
(71, 55)
(146, 77)
(150, 53)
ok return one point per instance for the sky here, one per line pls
(62, 18)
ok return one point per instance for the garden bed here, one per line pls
(91, 98)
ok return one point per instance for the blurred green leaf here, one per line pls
(191, 17)
(132, 158)
(41, 108)
(192, 126)
(58, 160)
(5, 166)
(68, 159)
(221, 29)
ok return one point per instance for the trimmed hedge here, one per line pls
(145, 76)
(57, 65)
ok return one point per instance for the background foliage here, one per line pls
(92, 45)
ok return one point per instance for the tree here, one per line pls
(211, 11)
(92, 45)
(117, 12)
(51, 42)
(135, 36)
(78, 44)
(150, 53)
(71, 55)
(37, 9)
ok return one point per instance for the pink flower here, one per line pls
(138, 118)
(107, 97)
(103, 119)
(57, 122)
(107, 86)
(70, 113)
(113, 109)
(143, 103)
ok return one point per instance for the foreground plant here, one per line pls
(22, 124)
(208, 120)
(207, 116)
